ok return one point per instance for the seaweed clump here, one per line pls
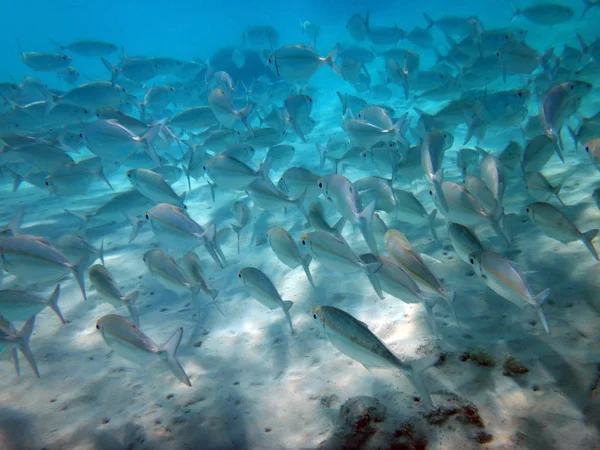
(512, 366)
(481, 356)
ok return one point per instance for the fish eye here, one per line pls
(497, 53)
(527, 209)
(519, 94)
(321, 185)
(123, 89)
(587, 149)
(147, 217)
(185, 207)
(471, 260)
(203, 167)
(97, 327)
(47, 183)
(81, 135)
(269, 61)
(310, 99)
(572, 86)
(430, 191)
(303, 242)
(144, 258)
(239, 274)
(128, 175)
(85, 111)
(315, 316)
(506, 36)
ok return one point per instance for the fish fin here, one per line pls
(237, 228)
(426, 257)
(287, 305)
(101, 251)
(186, 170)
(365, 219)
(438, 179)
(53, 303)
(573, 135)
(79, 271)
(338, 228)
(297, 130)
(539, 301)
(24, 335)
(286, 309)
(84, 218)
(556, 190)
(100, 174)
(429, 20)
(168, 352)
(330, 60)
(414, 374)
(306, 266)
(588, 237)
(431, 219)
(214, 294)
(136, 225)
(344, 102)
(131, 298)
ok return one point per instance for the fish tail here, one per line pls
(365, 219)
(129, 301)
(299, 201)
(15, 359)
(53, 303)
(23, 337)
(17, 180)
(169, 351)
(331, 58)
(148, 139)
(100, 174)
(59, 47)
(84, 218)
(496, 218)
(539, 301)
(585, 50)
(588, 237)
(286, 309)
(244, 114)
(573, 136)
(322, 155)
(186, 170)
(339, 227)
(437, 185)
(371, 270)
(17, 219)
(214, 294)
(431, 219)
(114, 73)
(429, 304)
(237, 228)
(136, 225)
(414, 374)
(79, 271)
(306, 266)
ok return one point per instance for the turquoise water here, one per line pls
(456, 307)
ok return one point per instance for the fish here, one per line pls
(170, 274)
(316, 214)
(547, 14)
(402, 252)
(74, 246)
(108, 289)
(131, 343)
(231, 173)
(558, 226)
(298, 62)
(432, 155)
(175, 228)
(464, 241)
(262, 289)
(25, 255)
(17, 305)
(537, 153)
(45, 62)
(88, 47)
(286, 249)
(411, 210)
(353, 338)
(224, 111)
(344, 196)
(191, 263)
(73, 179)
(540, 188)
(336, 253)
(357, 27)
(592, 148)
(502, 276)
(153, 186)
(13, 340)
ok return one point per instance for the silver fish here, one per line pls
(13, 340)
(131, 343)
(17, 305)
(107, 287)
(353, 338)
(286, 249)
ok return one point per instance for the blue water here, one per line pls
(255, 385)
